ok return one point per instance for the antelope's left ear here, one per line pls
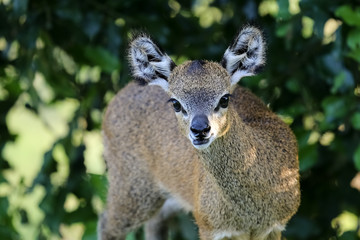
(148, 63)
(246, 55)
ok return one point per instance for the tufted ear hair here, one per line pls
(148, 63)
(246, 55)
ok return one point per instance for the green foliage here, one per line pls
(62, 61)
(357, 158)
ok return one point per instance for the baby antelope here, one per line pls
(190, 138)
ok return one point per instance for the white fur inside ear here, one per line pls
(239, 74)
(148, 62)
(232, 60)
(163, 66)
(245, 55)
(162, 83)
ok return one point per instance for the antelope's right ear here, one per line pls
(246, 55)
(148, 63)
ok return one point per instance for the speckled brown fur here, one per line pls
(245, 183)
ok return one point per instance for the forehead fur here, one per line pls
(199, 76)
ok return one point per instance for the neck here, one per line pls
(231, 158)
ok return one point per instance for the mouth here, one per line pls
(200, 141)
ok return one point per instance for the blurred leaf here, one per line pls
(353, 235)
(303, 228)
(338, 82)
(20, 7)
(283, 29)
(100, 57)
(335, 108)
(48, 167)
(355, 54)
(355, 120)
(69, 13)
(283, 13)
(99, 182)
(188, 227)
(308, 157)
(353, 39)
(24, 216)
(90, 231)
(92, 24)
(357, 158)
(349, 15)
(130, 236)
(7, 230)
(293, 85)
(296, 109)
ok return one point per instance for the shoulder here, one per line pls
(248, 105)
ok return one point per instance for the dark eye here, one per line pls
(176, 105)
(223, 103)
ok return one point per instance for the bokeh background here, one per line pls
(62, 61)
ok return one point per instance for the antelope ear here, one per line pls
(246, 55)
(148, 63)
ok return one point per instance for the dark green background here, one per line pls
(78, 48)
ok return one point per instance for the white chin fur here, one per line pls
(202, 146)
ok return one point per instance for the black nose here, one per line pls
(200, 126)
